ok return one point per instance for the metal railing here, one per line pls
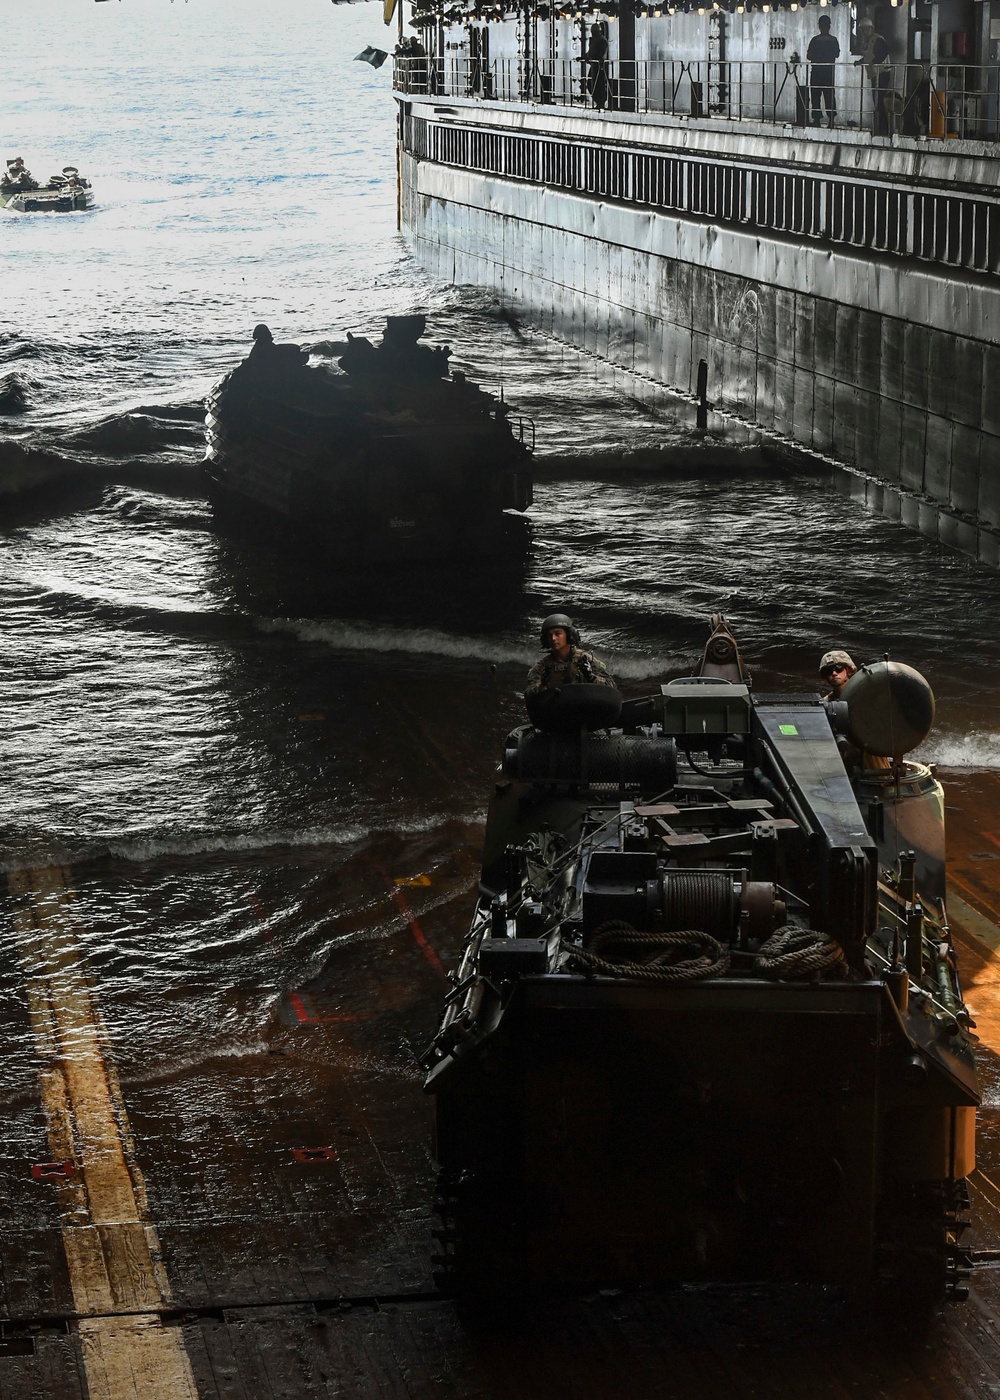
(909, 99)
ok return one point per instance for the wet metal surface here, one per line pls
(289, 1187)
(243, 814)
(627, 240)
(289, 1183)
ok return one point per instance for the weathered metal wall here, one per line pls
(889, 366)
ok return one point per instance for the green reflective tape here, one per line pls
(787, 729)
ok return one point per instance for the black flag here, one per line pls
(376, 57)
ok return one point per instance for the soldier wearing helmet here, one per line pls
(836, 668)
(265, 354)
(567, 663)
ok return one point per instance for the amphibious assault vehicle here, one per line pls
(63, 193)
(386, 456)
(707, 1024)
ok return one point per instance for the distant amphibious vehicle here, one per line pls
(20, 192)
(707, 1024)
(390, 457)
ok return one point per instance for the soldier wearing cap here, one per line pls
(567, 663)
(836, 668)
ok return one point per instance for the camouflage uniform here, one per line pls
(580, 667)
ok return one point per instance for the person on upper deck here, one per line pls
(419, 70)
(596, 59)
(874, 58)
(567, 663)
(822, 54)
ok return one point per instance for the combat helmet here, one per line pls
(558, 620)
(836, 658)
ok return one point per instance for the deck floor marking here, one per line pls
(306, 1014)
(982, 983)
(112, 1249)
(954, 879)
(422, 942)
(981, 928)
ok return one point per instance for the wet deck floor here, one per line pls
(253, 1221)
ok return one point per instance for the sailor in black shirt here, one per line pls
(822, 54)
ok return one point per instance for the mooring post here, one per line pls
(702, 395)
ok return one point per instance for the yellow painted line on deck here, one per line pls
(954, 879)
(982, 988)
(982, 929)
(112, 1249)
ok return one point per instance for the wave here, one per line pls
(220, 1051)
(43, 850)
(65, 596)
(186, 412)
(139, 431)
(14, 393)
(711, 455)
(13, 348)
(418, 641)
(24, 468)
(643, 668)
(970, 752)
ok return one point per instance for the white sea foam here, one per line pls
(142, 847)
(211, 1052)
(965, 752)
(418, 641)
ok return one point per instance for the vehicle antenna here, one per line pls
(892, 744)
(503, 347)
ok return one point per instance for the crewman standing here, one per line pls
(822, 54)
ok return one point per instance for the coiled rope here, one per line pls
(663, 962)
(794, 954)
(791, 955)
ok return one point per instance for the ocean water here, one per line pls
(200, 728)
(244, 168)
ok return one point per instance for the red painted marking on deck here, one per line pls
(298, 1006)
(990, 837)
(314, 1154)
(53, 1171)
(415, 928)
(306, 1016)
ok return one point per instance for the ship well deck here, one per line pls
(254, 1220)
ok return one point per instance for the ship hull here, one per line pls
(660, 247)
